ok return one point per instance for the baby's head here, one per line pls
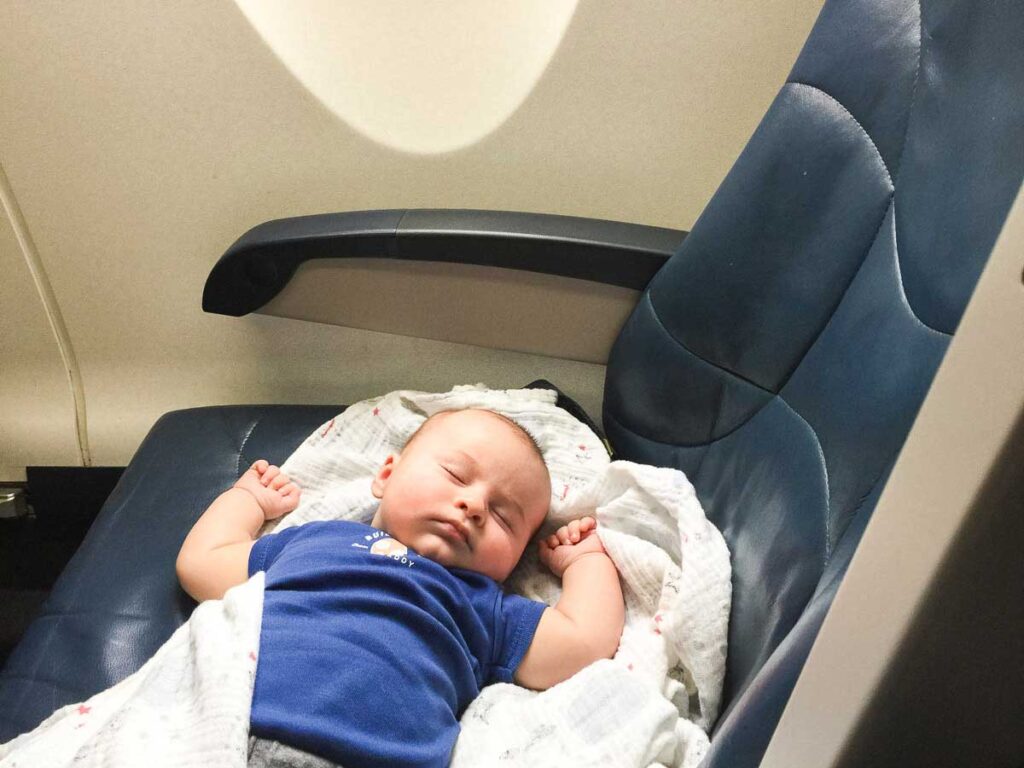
(468, 490)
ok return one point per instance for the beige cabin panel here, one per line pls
(491, 307)
(276, 360)
(143, 139)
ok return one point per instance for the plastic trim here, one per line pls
(262, 261)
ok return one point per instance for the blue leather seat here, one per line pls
(781, 355)
(779, 358)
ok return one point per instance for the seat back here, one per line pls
(780, 357)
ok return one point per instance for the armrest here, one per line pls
(262, 261)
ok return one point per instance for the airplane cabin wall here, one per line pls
(141, 139)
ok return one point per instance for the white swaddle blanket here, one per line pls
(650, 705)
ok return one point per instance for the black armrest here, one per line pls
(263, 260)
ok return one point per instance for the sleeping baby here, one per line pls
(375, 638)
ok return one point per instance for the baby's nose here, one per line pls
(472, 507)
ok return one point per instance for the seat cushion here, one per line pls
(119, 600)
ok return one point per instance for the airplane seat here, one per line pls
(781, 356)
(118, 599)
(778, 358)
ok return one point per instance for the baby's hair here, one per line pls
(523, 432)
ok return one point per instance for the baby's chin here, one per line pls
(437, 549)
(440, 551)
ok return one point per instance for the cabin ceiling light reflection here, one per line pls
(424, 77)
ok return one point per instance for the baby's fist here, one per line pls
(569, 543)
(273, 490)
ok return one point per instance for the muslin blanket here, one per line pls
(652, 704)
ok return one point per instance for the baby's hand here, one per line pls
(276, 494)
(568, 543)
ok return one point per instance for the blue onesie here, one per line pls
(369, 652)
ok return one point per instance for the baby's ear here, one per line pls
(383, 475)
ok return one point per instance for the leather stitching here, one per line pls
(677, 342)
(913, 90)
(681, 345)
(93, 612)
(824, 469)
(899, 280)
(856, 122)
(842, 298)
(814, 435)
(238, 461)
(899, 170)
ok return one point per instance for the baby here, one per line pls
(375, 638)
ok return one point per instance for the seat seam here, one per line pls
(899, 280)
(730, 433)
(851, 512)
(891, 195)
(842, 297)
(824, 469)
(899, 170)
(791, 409)
(62, 614)
(238, 461)
(665, 330)
(685, 348)
(857, 122)
(913, 90)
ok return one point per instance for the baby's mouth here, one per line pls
(452, 531)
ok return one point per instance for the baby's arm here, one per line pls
(586, 624)
(215, 555)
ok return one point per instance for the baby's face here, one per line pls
(468, 492)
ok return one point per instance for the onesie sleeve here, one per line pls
(268, 547)
(515, 623)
